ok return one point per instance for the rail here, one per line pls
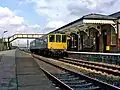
(95, 82)
(94, 66)
(56, 80)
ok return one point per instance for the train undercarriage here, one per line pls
(50, 53)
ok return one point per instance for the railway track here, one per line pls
(73, 80)
(109, 69)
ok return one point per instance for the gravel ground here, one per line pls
(103, 77)
(49, 67)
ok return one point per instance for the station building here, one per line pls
(94, 32)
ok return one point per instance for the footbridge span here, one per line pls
(22, 36)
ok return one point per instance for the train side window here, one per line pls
(51, 38)
(63, 38)
(58, 38)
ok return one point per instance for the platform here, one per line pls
(19, 71)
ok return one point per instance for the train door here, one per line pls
(104, 40)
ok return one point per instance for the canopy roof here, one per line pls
(116, 15)
(98, 17)
(88, 19)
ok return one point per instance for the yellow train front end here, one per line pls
(57, 44)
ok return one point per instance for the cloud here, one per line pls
(8, 17)
(29, 29)
(61, 12)
(56, 12)
(9, 21)
(20, 29)
(14, 24)
(55, 24)
(47, 30)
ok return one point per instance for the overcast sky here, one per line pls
(42, 16)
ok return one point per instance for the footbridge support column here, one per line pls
(9, 46)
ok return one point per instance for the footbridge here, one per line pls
(22, 36)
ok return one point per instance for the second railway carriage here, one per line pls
(50, 45)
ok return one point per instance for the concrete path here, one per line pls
(7, 70)
(19, 71)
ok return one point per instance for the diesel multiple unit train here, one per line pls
(50, 45)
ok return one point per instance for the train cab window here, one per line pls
(58, 38)
(63, 38)
(51, 38)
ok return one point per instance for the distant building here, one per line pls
(3, 45)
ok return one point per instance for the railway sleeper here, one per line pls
(60, 77)
(75, 82)
(69, 79)
(81, 86)
(63, 74)
(91, 88)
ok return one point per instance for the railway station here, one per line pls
(93, 32)
(81, 55)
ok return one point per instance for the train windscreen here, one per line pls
(51, 38)
(58, 38)
(63, 38)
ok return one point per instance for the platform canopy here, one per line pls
(98, 19)
(86, 22)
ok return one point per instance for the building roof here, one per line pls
(116, 15)
(98, 17)
(89, 16)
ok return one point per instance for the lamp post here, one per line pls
(3, 38)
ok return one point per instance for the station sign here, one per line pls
(107, 48)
